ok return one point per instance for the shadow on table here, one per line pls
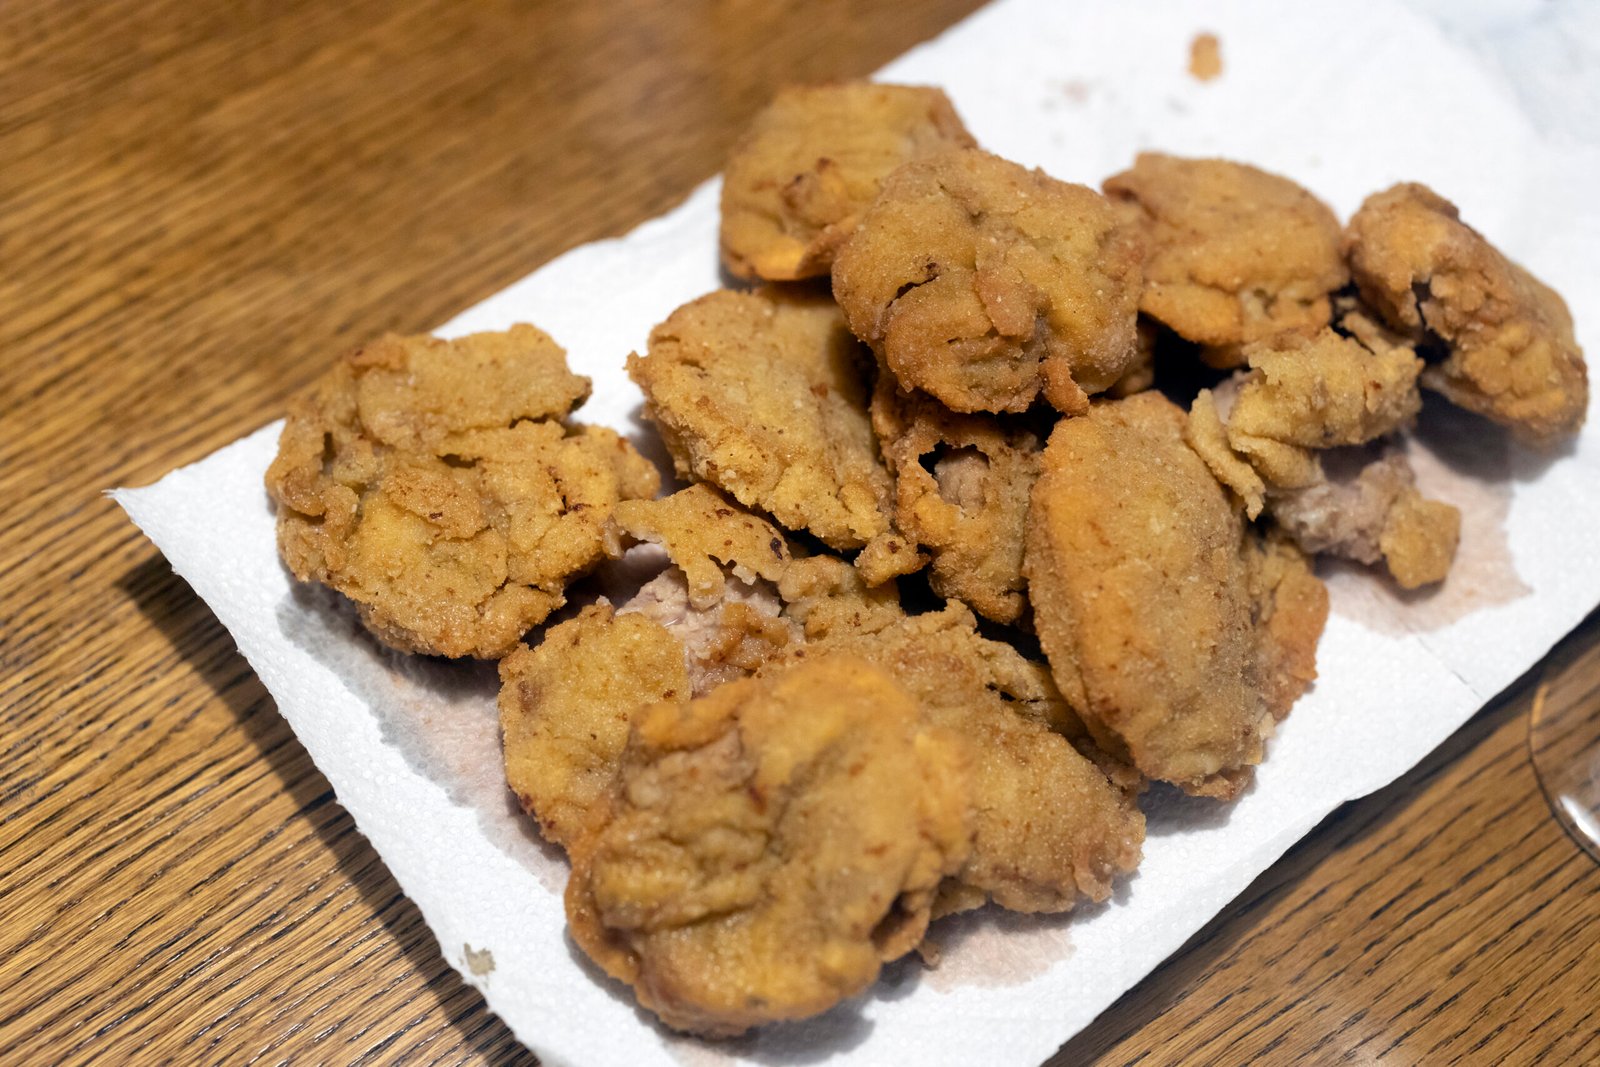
(168, 603)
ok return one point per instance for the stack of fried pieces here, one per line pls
(956, 574)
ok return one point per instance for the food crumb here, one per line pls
(480, 961)
(1205, 56)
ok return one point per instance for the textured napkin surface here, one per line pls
(1343, 107)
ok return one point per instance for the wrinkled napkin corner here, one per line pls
(1346, 107)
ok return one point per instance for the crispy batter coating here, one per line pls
(769, 845)
(566, 706)
(1324, 390)
(1206, 434)
(1293, 607)
(711, 617)
(1373, 512)
(1152, 599)
(762, 395)
(1049, 828)
(985, 284)
(1233, 254)
(720, 596)
(1141, 373)
(703, 532)
(722, 550)
(721, 641)
(970, 508)
(828, 596)
(1419, 539)
(1512, 354)
(798, 180)
(889, 555)
(433, 483)
(1303, 392)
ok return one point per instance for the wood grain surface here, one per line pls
(199, 205)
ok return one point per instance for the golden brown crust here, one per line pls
(1049, 828)
(432, 483)
(812, 160)
(985, 284)
(769, 845)
(707, 536)
(762, 394)
(1147, 597)
(566, 706)
(1324, 390)
(971, 508)
(1233, 254)
(1419, 539)
(1141, 372)
(1513, 357)
(1293, 607)
(1304, 392)
(1206, 434)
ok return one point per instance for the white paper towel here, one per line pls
(1345, 99)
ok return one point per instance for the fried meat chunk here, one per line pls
(1374, 512)
(961, 490)
(763, 395)
(722, 641)
(1233, 254)
(986, 284)
(724, 553)
(797, 181)
(712, 616)
(1303, 396)
(1304, 392)
(1175, 635)
(566, 706)
(768, 846)
(707, 536)
(720, 596)
(1512, 355)
(436, 485)
(1050, 829)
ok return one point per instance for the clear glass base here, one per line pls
(1564, 744)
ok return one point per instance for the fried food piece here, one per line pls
(707, 536)
(810, 163)
(1206, 434)
(1419, 540)
(567, 704)
(1303, 392)
(434, 484)
(1141, 373)
(1513, 357)
(1372, 514)
(1205, 57)
(1233, 254)
(970, 508)
(770, 845)
(889, 555)
(1293, 606)
(711, 617)
(720, 596)
(985, 284)
(828, 596)
(762, 395)
(1049, 828)
(1164, 626)
(1325, 390)
(721, 641)
(724, 557)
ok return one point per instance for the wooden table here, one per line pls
(199, 205)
